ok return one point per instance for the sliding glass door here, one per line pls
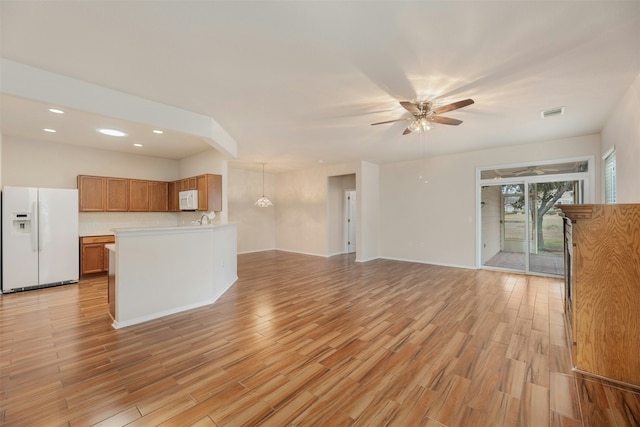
(546, 253)
(520, 227)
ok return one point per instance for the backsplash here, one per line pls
(97, 223)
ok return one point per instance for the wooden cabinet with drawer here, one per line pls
(94, 257)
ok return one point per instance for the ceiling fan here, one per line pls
(424, 114)
(534, 169)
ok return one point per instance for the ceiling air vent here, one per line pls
(552, 112)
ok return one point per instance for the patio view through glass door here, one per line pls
(546, 253)
(521, 229)
(504, 228)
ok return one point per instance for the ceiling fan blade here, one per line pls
(388, 121)
(538, 172)
(410, 107)
(454, 106)
(407, 131)
(445, 120)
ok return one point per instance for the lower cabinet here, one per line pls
(94, 257)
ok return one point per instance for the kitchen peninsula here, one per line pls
(158, 271)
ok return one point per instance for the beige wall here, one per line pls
(40, 164)
(435, 222)
(622, 129)
(256, 226)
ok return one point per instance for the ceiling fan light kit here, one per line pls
(424, 115)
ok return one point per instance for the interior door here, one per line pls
(350, 204)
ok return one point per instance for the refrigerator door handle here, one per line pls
(34, 225)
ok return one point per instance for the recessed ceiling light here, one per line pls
(49, 130)
(55, 110)
(112, 132)
(158, 131)
(137, 145)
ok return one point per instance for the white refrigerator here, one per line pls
(39, 237)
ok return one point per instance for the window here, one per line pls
(610, 177)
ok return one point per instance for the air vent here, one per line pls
(552, 112)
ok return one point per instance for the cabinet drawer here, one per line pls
(98, 239)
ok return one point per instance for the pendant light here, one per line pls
(263, 202)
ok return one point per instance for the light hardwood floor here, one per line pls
(307, 341)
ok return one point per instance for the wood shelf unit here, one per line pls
(606, 290)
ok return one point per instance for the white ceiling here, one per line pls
(298, 82)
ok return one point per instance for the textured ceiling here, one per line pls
(298, 82)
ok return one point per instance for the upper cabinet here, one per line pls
(158, 196)
(91, 191)
(209, 192)
(138, 195)
(173, 203)
(117, 191)
(108, 194)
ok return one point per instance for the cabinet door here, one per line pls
(92, 258)
(91, 191)
(105, 258)
(117, 194)
(138, 195)
(210, 192)
(215, 193)
(158, 196)
(193, 183)
(203, 188)
(172, 190)
(184, 184)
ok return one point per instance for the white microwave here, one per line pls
(188, 200)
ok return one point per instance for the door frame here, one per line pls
(347, 194)
(589, 194)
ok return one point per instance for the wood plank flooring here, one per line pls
(307, 341)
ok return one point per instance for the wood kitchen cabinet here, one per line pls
(117, 194)
(94, 257)
(138, 195)
(173, 203)
(602, 290)
(158, 196)
(188, 184)
(210, 192)
(91, 193)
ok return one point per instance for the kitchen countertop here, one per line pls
(179, 228)
(94, 234)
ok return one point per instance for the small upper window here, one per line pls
(610, 177)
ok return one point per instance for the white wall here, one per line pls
(622, 129)
(302, 215)
(256, 226)
(435, 222)
(369, 204)
(40, 164)
(301, 219)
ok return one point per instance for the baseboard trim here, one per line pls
(420, 261)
